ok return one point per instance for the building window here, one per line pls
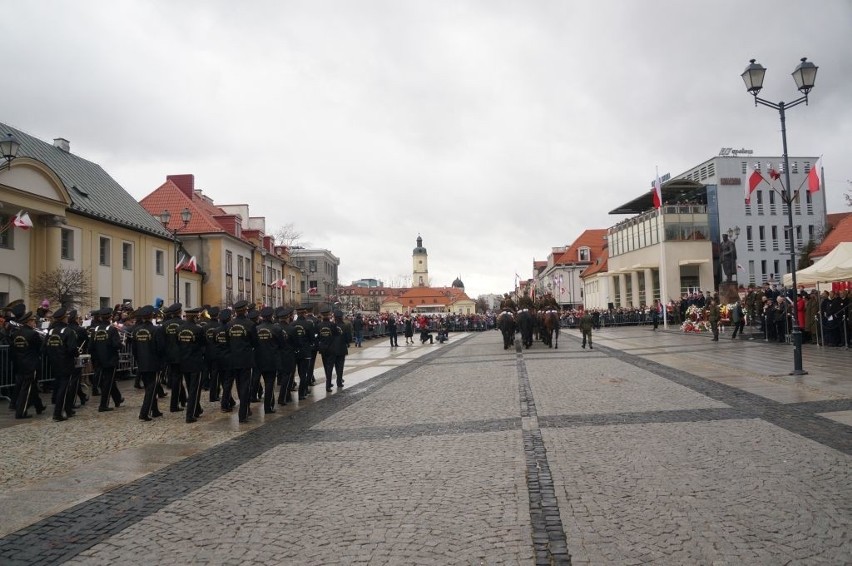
(187, 294)
(159, 261)
(126, 255)
(229, 275)
(104, 249)
(67, 247)
(312, 265)
(7, 236)
(104, 302)
(585, 254)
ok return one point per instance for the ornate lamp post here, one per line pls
(805, 77)
(165, 218)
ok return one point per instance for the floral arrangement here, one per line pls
(695, 326)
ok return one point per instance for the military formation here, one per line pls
(239, 355)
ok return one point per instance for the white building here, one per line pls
(700, 205)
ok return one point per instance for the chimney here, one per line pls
(186, 183)
(62, 144)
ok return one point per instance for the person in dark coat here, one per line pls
(242, 340)
(107, 344)
(267, 355)
(586, 325)
(358, 329)
(392, 332)
(75, 386)
(210, 378)
(60, 348)
(149, 347)
(340, 347)
(191, 342)
(26, 347)
(327, 332)
(408, 330)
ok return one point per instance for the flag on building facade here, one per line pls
(815, 177)
(313, 291)
(180, 262)
(191, 265)
(22, 220)
(751, 183)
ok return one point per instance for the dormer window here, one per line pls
(584, 254)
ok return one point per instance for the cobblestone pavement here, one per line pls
(652, 448)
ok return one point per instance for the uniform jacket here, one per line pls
(149, 346)
(106, 343)
(270, 340)
(26, 345)
(242, 339)
(191, 343)
(171, 327)
(60, 347)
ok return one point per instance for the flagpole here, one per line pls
(660, 234)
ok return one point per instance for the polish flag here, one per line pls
(180, 263)
(657, 193)
(751, 183)
(22, 220)
(773, 174)
(815, 176)
(191, 265)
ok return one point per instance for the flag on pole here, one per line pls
(313, 291)
(191, 265)
(180, 262)
(774, 174)
(815, 176)
(751, 183)
(22, 220)
(658, 192)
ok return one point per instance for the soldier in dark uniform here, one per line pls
(75, 386)
(256, 388)
(191, 345)
(210, 322)
(340, 347)
(171, 326)
(61, 351)
(300, 331)
(311, 330)
(287, 369)
(267, 355)
(223, 366)
(107, 343)
(327, 331)
(242, 340)
(26, 345)
(148, 348)
(96, 366)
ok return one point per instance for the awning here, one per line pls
(693, 261)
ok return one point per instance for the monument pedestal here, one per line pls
(729, 292)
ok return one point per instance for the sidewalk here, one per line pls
(653, 447)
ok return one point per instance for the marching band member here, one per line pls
(61, 350)
(26, 344)
(107, 344)
(148, 348)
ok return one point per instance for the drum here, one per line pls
(83, 360)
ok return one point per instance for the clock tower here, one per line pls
(420, 262)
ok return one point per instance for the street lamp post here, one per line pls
(805, 77)
(165, 218)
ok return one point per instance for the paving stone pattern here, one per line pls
(476, 455)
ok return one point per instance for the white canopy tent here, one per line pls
(836, 266)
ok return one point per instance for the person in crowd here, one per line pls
(26, 348)
(358, 329)
(714, 316)
(191, 343)
(737, 319)
(148, 347)
(61, 351)
(586, 325)
(267, 354)
(242, 340)
(107, 344)
(392, 331)
(408, 330)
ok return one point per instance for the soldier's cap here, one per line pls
(224, 315)
(241, 305)
(266, 312)
(304, 307)
(284, 312)
(213, 312)
(72, 314)
(173, 308)
(338, 314)
(59, 313)
(252, 315)
(325, 310)
(24, 317)
(106, 311)
(18, 310)
(146, 311)
(96, 312)
(196, 311)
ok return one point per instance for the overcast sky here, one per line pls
(495, 129)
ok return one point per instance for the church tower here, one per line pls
(420, 261)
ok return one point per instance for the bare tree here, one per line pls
(63, 286)
(289, 236)
(481, 304)
(848, 195)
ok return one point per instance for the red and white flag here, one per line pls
(279, 283)
(815, 177)
(313, 291)
(191, 265)
(180, 263)
(751, 183)
(22, 220)
(657, 193)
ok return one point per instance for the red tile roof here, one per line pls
(598, 266)
(169, 197)
(594, 239)
(842, 232)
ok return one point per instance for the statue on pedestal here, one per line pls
(728, 258)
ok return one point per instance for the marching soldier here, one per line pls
(191, 346)
(26, 344)
(302, 332)
(171, 326)
(242, 339)
(148, 348)
(327, 331)
(267, 356)
(61, 351)
(287, 372)
(210, 323)
(340, 347)
(107, 344)
(75, 387)
(224, 373)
